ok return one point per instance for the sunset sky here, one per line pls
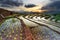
(18, 7)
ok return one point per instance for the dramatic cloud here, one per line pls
(53, 5)
(36, 2)
(30, 5)
(53, 8)
(54, 0)
(10, 3)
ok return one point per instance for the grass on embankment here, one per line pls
(56, 16)
(7, 17)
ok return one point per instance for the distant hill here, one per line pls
(4, 13)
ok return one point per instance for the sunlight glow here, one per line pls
(35, 9)
(22, 8)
